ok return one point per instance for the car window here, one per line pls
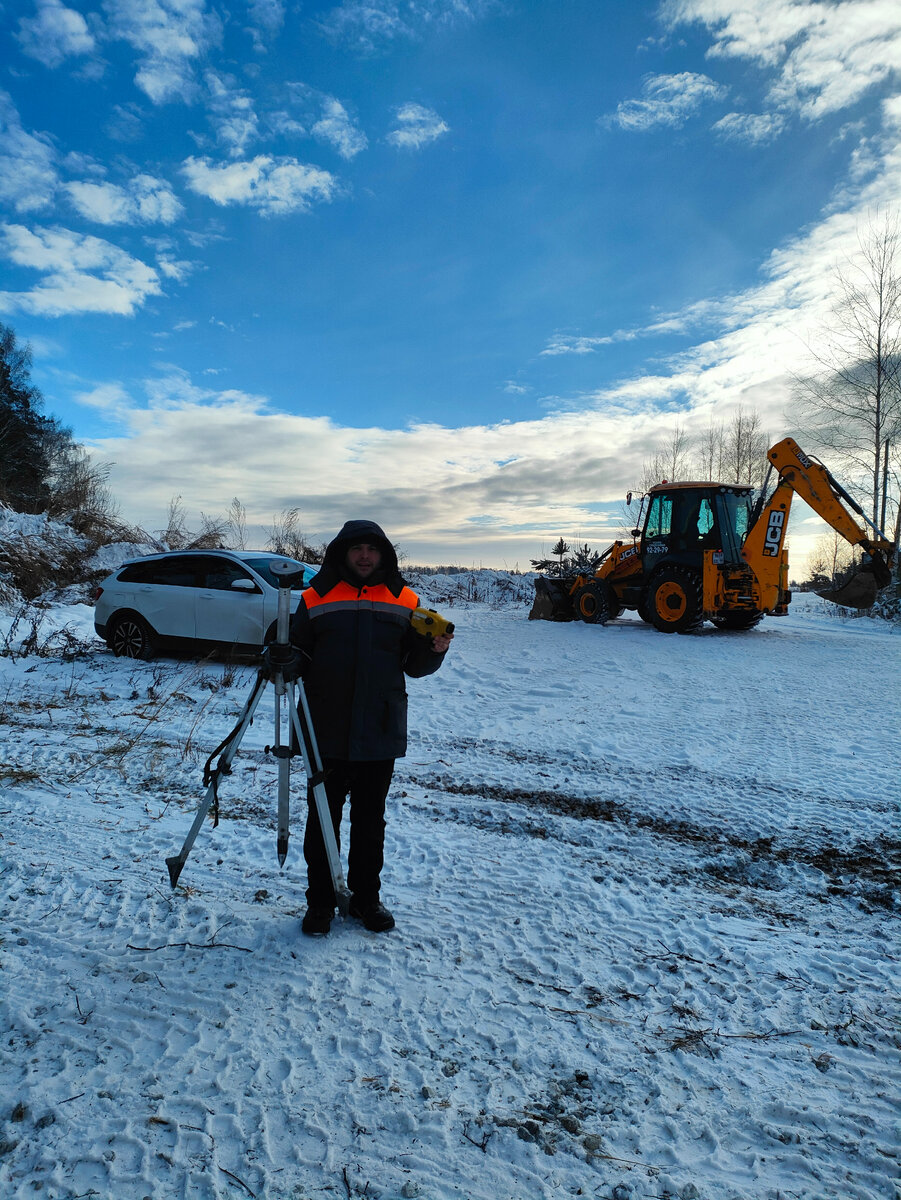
(139, 572)
(220, 573)
(263, 567)
(172, 572)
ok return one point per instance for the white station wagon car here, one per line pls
(225, 599)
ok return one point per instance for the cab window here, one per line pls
(660, 517)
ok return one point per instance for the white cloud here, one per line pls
(284, 124)
(824, 56)
(170, 37)
(336, 128)
(81, 274)
(755, 128)
(54, 33)
(184, 433)
(668, 100)
(28, 173)
(417, 126)
(144, 201)
(175, 268)
(267, 16)
(231, 113)
(273, 185)
(563, 343)
(371, 24)
(111, 399)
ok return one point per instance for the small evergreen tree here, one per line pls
(24, 433)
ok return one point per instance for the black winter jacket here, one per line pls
(357, 644)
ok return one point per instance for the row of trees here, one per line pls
(733, 452)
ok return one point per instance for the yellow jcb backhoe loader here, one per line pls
(707, 552)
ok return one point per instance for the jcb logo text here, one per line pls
(774, 531)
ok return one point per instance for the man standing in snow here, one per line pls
(353, 630)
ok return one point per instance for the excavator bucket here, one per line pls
(552, 601)
(860, 591)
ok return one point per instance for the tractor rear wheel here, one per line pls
(592, 603)
(675, 600)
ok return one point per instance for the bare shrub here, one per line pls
(178, 536)
(285, 536)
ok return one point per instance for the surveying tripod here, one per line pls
(280, 654)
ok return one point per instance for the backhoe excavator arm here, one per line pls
(811, 481)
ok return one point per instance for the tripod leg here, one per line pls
(303, 726)
(177, 861)
(283, 754)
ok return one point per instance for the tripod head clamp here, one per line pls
(288, 574)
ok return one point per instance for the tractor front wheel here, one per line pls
(675, 600)
(592, 603)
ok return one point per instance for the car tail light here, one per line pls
(96, 593)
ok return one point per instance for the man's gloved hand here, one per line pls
(285, 659)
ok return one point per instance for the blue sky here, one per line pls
(457, 265)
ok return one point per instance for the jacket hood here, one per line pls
(333, 565)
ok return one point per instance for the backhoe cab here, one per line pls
(709, 552)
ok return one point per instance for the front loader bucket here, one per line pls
(552, 601)
(860, 591)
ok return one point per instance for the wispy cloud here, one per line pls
(125, 123)
(369, 25)
(275, 186)
(28, 172)
(80, 274)
(170, 38)
(143, 201)
(336, 127)
(54, 34)
(565, 343)
(232, 113)
(267, 18)
(416, 126)
(824, 56)
(667, 100)
(754, 128)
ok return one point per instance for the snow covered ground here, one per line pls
(647, 941)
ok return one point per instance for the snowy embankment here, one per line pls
(647, 942)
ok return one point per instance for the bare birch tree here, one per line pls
(744, 449)
(710, 455)
(671, 462)
(852, 399)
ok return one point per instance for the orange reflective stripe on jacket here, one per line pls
(344, 597)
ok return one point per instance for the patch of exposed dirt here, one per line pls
(868, 870)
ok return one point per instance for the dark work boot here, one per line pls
(374, 916)
(317, 920)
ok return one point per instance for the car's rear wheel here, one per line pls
(131, 637)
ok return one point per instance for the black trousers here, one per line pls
(367, 784)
